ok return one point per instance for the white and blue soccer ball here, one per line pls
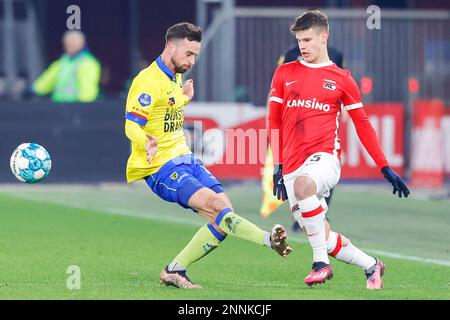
(30, 163)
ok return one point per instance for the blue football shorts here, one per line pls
(180, 178)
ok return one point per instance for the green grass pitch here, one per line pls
(122, 236)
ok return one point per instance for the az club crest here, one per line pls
(329, 84)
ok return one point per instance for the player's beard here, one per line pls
(180, 68)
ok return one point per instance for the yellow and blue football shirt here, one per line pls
(156, 102)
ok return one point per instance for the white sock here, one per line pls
(298, 215)
(313, 217)
(175, 266)
(349, 253)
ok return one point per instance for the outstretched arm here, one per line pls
(353, 104)
(369, 139)
(368, 136)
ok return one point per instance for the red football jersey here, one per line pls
(307, 99)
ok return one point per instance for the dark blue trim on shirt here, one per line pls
(165, 69)
(135, 118)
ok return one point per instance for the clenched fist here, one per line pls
(188, 89)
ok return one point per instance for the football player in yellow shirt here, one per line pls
(161, 156)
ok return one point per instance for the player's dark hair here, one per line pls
(184, 30)
(310, 19)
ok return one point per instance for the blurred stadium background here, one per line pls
(403, 70)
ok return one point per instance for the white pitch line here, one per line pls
(390, 254)
(175, 219)
(295, 239)
(411, 258)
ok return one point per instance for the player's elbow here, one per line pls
(274, 118)
(134, 132)
(273, 124)
(362, 124)
(130, 127)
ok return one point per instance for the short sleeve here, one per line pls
(351, 97)
(277, 89)
(140, 101)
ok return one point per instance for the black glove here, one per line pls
(396, 181)
(279, 189)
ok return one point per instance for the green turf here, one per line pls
(120, 257)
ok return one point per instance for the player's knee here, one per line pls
(215, 204)
(225, 199)
(304, 187)
(345, 241)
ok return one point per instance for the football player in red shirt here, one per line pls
(306, 99)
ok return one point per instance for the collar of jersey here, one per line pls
(165, 69)
(316, 65)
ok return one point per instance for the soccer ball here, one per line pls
(30, 163)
